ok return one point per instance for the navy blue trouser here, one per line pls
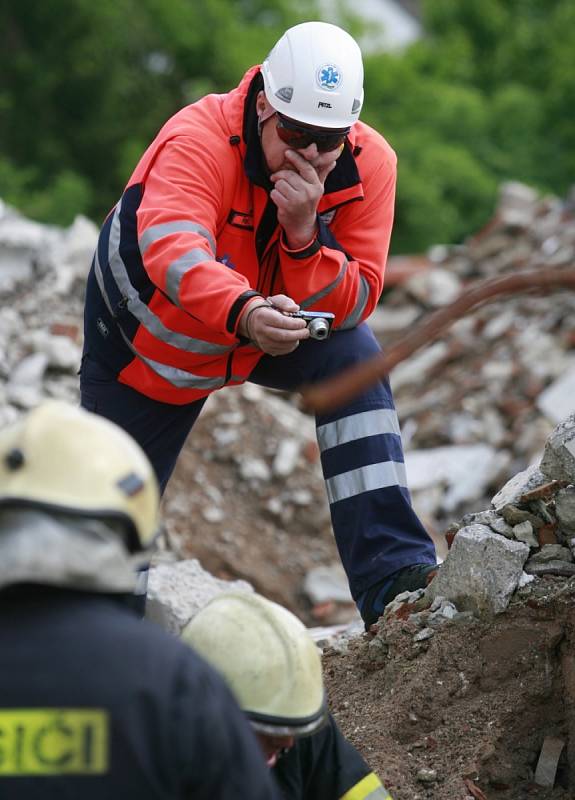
(376, 529)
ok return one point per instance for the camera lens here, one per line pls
(318, 329)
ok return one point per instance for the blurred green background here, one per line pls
(486, 95)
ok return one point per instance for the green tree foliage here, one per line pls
(85, 85)
(487, 95)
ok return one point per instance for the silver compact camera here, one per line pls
(319, 323)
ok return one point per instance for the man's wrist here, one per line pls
(302, 239)
(306, 251)
(244, 321)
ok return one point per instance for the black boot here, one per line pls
(406, 579)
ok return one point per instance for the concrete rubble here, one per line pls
(481, 571)
(491, 559)
(501, 377)
(478, 408)
(177, 591)
(469, 682)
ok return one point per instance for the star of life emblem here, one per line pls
(328, 77)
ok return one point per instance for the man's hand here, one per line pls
(270, 330)
(298, 190)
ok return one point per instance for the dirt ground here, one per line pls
(460, 716)
(269, 531)
(464, 714)
(273, 548)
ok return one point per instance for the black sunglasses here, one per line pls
(301, 136)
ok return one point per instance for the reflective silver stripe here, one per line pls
(357, 426)
(180, 378)
(365, 479)
(140, 310)
(178, 268)
(318, 296)
(177, 377)
(100, 282)
(362, 296)
(156, 232)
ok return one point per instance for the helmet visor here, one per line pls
(299, 136)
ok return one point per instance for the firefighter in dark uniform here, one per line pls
(95, 703)
(273, 667)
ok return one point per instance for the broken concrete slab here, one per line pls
(513, 515)
(525, 481)
(286, 457)
(22, 245)
(564, 568)
(551, 552)
(61, 352)
(523, 532)
(565, 508)
(548, 761)
(434, 287)
(413, 371)
(557, 400)
(463, 470)
(327, 583)
(481, 571)
(24, 388)
(558, 462)
(176, 592)
(492, 519)
(516, 206)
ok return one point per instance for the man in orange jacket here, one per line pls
(248, 207)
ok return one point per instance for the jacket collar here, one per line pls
(254, 164)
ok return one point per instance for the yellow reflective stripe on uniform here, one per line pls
(54, 741)
(368, 788)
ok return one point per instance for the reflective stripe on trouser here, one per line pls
(376, 529)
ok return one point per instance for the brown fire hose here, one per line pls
(341, 389)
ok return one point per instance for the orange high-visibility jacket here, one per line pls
(195, 237)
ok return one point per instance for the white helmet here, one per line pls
(267, 658)
(314, 75)
(64, 459)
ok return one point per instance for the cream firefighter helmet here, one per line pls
(62, 458)
(267, 658)
(314, 75)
